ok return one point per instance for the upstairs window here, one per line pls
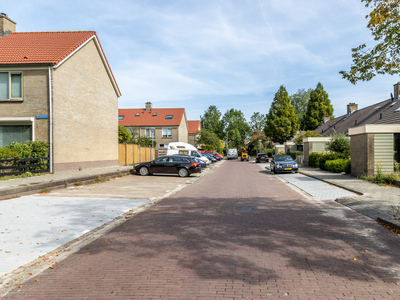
(155, 114)
(150, 132)
(167, 132)
(121, 118)
(10, 85)
(137, 115)
(169, 117)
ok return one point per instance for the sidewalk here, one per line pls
(375, 201)
(20, 186)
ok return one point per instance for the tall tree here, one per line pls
(384, 57)
(235, 127)
(207, 137)
(258, 121)
(211, 120)
(282, 122)
(318, 106)
(299, 101)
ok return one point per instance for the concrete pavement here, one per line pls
(205, 243)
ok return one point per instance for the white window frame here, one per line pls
(20, 121)
(167, 130)
(9, 84)
(153, 132)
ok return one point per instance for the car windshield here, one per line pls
(262, 154)
(283, 158)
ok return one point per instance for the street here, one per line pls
(237, 233)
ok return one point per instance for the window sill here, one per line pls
(11, 100)
(166, 137)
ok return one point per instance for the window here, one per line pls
(150, 132)
(137, 115)
(167, 132)
(10, 85)
(164, 146)
(121, 117)
(155, 114)
(169, 117)
(15, 133)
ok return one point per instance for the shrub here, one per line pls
(294, 154)
(123, 134)
(338, 165)
(313, 160)
(338, 143)
(269, 152)
(330, 156)
(281, 153)
(6, 153)
(208, 147)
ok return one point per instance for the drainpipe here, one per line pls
(51, 123)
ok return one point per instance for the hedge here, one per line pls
(313, 160)
(338, 165)
(294, 154)
(30, 149)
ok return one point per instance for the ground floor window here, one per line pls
(15, 133)
(164, 146)
(167, 132)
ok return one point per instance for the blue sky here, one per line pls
(228, 53)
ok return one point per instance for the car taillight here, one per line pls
(195, 164)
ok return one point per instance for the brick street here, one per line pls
(195, 245)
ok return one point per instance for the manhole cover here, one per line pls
(246, 208)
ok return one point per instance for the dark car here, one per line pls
(261, 157)
(170, 164)
(283, 163)
(209, 156)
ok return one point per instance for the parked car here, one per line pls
(283, 163)
(201, 162)
(232, 154)
(170, 164)
(213, 159)
(213, 153)
(261, 157)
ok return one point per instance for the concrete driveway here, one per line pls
(31, 226)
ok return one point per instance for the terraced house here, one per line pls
(58, 87)
(164, 125)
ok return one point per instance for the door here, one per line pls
(159, 165)
(396, 146)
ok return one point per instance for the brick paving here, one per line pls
(194, 245)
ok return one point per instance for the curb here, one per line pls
(18, 191)
(335, 184)
(388, 223)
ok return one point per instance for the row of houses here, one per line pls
(59, 87)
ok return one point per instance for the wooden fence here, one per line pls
(129, 154)
(21, 166)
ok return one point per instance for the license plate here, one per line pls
(263, 157)
(286, 169)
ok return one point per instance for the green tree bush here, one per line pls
(338, 143)
(324, 157)
(318, 106)
(313, 160)
(338, 165)
(299, 101)
(294, 154)
(282, 122)
(123, 134)
(211, 121)
(298, 140)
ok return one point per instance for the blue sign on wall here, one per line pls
(42, 117)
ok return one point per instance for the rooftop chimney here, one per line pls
(396, 91)
(326, 118)
(351, 107)
(6, 25)
(149, 106)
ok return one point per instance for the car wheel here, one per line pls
(275, 172)
(297, 171)
(183, 172)
(144, 171)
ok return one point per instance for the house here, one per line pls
(165, 125)
(58, 87)
(194, 127)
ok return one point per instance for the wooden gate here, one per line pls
(130, 154)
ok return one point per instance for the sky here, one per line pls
(227, 53)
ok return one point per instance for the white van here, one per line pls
(185, 148)
(232, 153)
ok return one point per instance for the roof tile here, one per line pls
(147, 118)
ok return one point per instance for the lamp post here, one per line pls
(153, 133)
(260, 144)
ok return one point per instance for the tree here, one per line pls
(318, 106)
(299, 101)
(257, 121)
(282, 122)
(339, 143)
(384, 57)
(123, 134)
(207, 137)
(145, 141)
(298, 140)
(211, 120)
(256, 137)
(235, 127)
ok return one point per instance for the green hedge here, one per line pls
(338, 165)
(313, 160)
(294, 154)
(324, 157)
(25, 150)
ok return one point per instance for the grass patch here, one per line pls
(45, 191)
(78, 183)
(22, 175)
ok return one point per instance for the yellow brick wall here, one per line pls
(85, 110)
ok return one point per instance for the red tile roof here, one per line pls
(147, 118)
(44, 47)
(40, 47)
(193, 126)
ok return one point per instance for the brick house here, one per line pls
(194, 126)
(165, 125)
(58, 87)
